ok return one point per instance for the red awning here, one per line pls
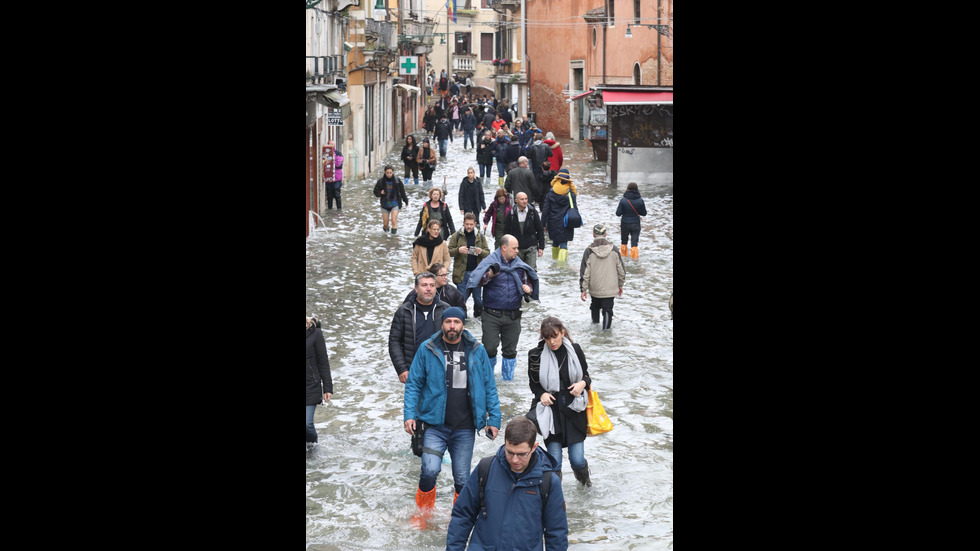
(634, 98)
(583, 94)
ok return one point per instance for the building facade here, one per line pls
(582, 44)
(327, 104)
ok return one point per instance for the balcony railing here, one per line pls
(319, 69)
(464, 62)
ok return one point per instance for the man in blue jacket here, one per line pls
(450, 394)
(513, 498)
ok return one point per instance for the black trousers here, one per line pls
(333, 192)
(630, 232)
(598, 304)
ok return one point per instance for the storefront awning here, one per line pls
(332, 98)
(636, 98)
(408, 88)
(583, 94)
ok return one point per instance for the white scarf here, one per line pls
(551, 382)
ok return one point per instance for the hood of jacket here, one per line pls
(561, 188)
(602, 248)
(551, 143)
(631, 194)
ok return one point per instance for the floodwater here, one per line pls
(361, 479)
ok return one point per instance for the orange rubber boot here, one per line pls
(455, 498)
(623, 251)
(635, 253)
(425, 501)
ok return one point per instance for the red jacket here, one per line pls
(556, 158)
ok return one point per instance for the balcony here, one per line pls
(508, 69)
(320, 69)
(464, 62)
(497, 5)
(381, 32)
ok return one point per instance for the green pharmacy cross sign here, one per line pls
(408, 65)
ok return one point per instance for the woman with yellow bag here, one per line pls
(559, 378)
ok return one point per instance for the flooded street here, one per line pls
(361, 479)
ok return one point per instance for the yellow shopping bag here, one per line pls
(596, 414)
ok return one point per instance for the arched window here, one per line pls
(636, 73)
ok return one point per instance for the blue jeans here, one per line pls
(468, 134)
(576, 454)
(477, 291)
(460, 444)
(442, 147)
(310, 429)
(485, 170)
(501, 169)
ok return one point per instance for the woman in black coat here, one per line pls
(319, 385)
(470, 197)
(559, 379)
(409, 154)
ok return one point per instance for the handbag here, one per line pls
(598, 421)
(572, 218)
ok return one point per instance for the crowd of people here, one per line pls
(450, 392)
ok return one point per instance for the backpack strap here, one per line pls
(482, 471)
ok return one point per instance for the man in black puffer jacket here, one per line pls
(414, 322)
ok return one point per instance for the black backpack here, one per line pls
(484, 469)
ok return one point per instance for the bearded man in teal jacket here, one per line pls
(450, 394)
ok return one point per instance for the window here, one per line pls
(593, 37)
(636, 73)
(612, 13)
(636, 11)
(486, 46)
(462, 42)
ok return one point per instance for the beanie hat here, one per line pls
(454, 312)
(563, 174)
(599, 229)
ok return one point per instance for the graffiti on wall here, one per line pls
(642, 125)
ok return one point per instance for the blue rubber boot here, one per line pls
(507, 368)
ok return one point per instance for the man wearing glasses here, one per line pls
(513, 517)
(450, 395)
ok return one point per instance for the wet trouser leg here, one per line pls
(529, 256)
(460, 445)
(576, 454)
(630, 232)
(310, 429)
(500, 331)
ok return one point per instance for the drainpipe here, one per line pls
(605, 25)
(658, 45)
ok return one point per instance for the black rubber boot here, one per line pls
(606, 319)
(477, 310)
(582, 475)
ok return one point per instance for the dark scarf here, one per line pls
(430, 244)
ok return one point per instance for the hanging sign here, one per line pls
(408, 65)
(334, 117)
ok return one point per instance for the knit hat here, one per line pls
(563, 175)
(599, 229)
(454, 312)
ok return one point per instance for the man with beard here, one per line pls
(468, 247)
(417, 319)
(450, 395)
